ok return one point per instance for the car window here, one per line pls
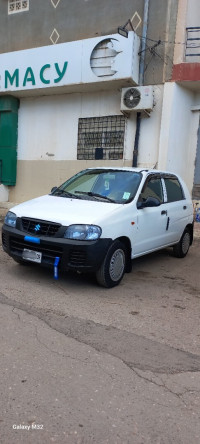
(116, 185)
(174, 189)
(153, 188)
(121, 186)
(82, 183)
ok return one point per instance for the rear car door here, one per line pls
(177, 207)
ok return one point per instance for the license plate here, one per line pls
(33, 256)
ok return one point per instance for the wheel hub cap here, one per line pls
(117, 265)
(186, 243)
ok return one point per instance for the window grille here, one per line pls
(101, 138)
(192, 52)
(17, 6)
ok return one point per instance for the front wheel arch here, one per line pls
(127, 243)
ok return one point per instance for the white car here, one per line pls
(101, 219)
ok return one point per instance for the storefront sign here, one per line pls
(73, 63)
(29, 76)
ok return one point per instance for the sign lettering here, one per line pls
(30, 77)
(11, 79)
(60, 73)
(43, 80)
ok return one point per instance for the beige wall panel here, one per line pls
(35, 178)
(179, 49)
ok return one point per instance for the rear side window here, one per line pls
(174, 189)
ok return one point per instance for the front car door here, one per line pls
(151, 221)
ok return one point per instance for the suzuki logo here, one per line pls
(37, 228)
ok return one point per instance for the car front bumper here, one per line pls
(72, 254)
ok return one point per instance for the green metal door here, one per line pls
(8, 139)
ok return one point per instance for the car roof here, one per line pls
(134, 169)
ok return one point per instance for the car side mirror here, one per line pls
(148, 203)
(53, 189)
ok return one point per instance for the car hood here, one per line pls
(64, 210)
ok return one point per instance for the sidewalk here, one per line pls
(197, 230)
(5, 206)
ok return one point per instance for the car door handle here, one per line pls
(184, 207)
(167, 226)
(164, 212)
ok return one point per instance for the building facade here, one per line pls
(183, 95)
(67, 73)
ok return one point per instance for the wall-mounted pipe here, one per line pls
(143, 41)
(141, 78)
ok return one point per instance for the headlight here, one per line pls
(10, 219)
(83, 232)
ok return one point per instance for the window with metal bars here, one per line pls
(101, 138)
(17, 6)
(192, 51)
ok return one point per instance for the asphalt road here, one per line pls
(81, 364)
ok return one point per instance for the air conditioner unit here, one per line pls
(137, 99)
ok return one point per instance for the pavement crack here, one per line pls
(54, 351)
(179, 396)
(162, 385)
(135, 351)
(64, 355)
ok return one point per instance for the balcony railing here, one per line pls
(192, 53)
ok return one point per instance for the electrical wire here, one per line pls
(172, 43)
(164, 41)
(153, 52)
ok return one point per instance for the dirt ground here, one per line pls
(91, 365)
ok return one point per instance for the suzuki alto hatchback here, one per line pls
(101, 219)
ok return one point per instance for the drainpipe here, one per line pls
(141, 78)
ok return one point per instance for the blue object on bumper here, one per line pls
(34, 240)
(56, 262)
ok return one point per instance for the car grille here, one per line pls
(5, 241)
(43, 228)
(48, 252)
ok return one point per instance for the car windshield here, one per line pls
(116, 186)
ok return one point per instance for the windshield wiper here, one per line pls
(99, 196)
(66, 193)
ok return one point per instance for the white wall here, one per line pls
(150, 133)
(47, 139)
(188, 16)
(193, 13)
(50, 124)
(178, 133)
(48, 129)
(4, 193)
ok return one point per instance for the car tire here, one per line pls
(181, 248)
(113, 266)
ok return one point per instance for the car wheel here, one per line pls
(181, 249)
(113, 267)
